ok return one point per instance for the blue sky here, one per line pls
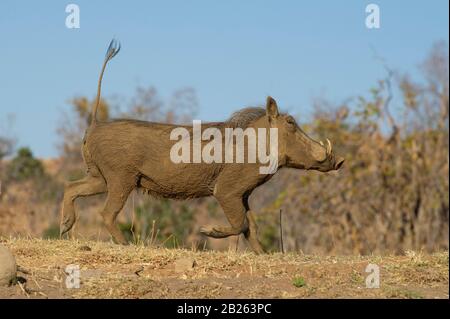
(233, 53)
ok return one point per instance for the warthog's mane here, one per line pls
(241, 118)
(245, 116)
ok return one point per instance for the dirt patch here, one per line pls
(113, 271)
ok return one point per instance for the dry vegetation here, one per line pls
(138, 271)
(391, 196)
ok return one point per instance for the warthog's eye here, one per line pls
(290, 120)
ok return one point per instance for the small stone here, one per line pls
(85, 248)
(8, 267)
(184, 264)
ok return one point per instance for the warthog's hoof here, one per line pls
(66, 225)
(209, 231)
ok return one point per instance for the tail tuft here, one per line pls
(113, 49)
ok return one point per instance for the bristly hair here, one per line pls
(244, 117)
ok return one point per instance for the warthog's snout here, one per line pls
(339, 161)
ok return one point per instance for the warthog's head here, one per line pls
(296, 148)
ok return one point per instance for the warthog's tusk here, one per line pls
(321, 143)
(329, 147)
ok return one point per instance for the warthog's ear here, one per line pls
(271, 108)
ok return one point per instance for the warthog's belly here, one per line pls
(172, 190)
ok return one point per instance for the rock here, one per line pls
(184, 264)
(8, 266)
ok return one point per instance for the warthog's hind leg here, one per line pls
(85, 187)
(118, 191)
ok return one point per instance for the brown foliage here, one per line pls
(392, 194)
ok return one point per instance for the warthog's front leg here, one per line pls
(85, 187)
(235, 212)
(221, 232)
(252, 234)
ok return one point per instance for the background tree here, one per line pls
(392, 193)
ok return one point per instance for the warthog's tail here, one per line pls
(113, 49)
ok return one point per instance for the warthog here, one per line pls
(123, 155)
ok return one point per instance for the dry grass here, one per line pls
(113, 271)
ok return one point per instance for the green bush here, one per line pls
(52, 232)
(24, 166)
(159, 220)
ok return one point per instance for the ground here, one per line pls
(136, 271)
